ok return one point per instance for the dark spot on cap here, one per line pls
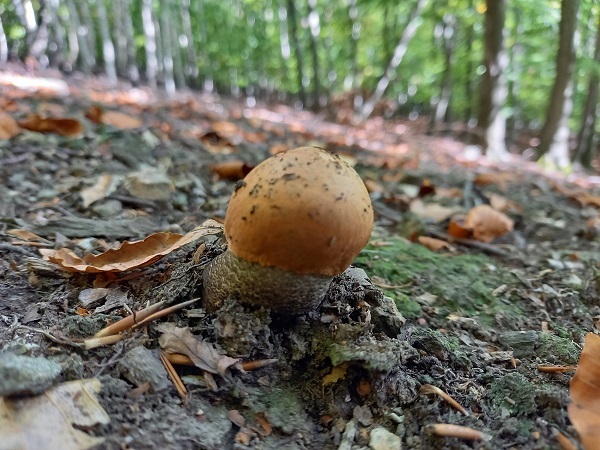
(240, 184)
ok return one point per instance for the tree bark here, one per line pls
(108, 48)
(394, 62)
(295, 45)
(587, 132)
(554, 137)
(191, 64)
(315, 30)
(492, 96)
(514, 85)
(447, 42)
(150, 45)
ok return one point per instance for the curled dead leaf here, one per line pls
(62, 127)
(457, 229)
(232, 170)
(584, 409)
(8, 126)
(130, 255)
(433, 244)
(113, 118)
(487, 224)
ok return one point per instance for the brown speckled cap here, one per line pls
(304, 210)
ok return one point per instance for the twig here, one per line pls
(50, 337)
(181, 390)
(556, 369)
(17, 249)
(163, 312)
(111, 361)
(430, 389)
(468, 242)
(450, 430)
(102, 341)
(129, 321)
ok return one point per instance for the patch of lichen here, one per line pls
(556, 349)
(464, 284)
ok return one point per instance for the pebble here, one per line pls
(149, 184)
(382, 439)
(140, 365)
(25, 375)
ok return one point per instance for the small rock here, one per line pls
(108, 208)
(363, 415)
(149, 184)
(382, 439)
(386, 318)
(24, 375)
(140, 365)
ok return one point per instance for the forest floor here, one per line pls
(473, 319)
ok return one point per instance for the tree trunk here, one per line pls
(447, 42)
(167, 47)
(3, 45)
(394, 62)
(514, 84)
(88, 32)
(315, 30)
(492, 96)
(150, 45)
(132, 68)
(295, 45)
(108, 48)
(470, 75)
(587, 132)
(354, 25)
(191, 64)
(554, 137)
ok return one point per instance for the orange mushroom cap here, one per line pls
(304, 210)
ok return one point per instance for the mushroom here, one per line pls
(298, 219)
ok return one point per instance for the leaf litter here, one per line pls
(478, 336)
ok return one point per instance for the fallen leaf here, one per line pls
(53, 419)
(232, 170)
(432, 211)
(337, 373)
(501, 179)
(584, 409)
(264, 424)
(27, 236)
(433, 244)
(216, 144)
(457, 229)
(500, 203)
(373, 186)
(62, 127)
(104, 186)
(487, 224)
(236, 418)
(203, 354)
(113, 118)
(130, 255)
(8, 126)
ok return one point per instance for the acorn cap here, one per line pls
(304, 210)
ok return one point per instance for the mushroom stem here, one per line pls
(229, 276)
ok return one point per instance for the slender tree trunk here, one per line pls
(587, 132)
(284, 45)
(167, 48)
(394, 62)
(76, 43)
(314, 24)
(150, 45)
(447, 43)
(514, 84)
(354, 25)
(120, 35)
(554, 137)
(492, 96)
(132, 68)
(191, 64)
(470, 75)
(295, 45)
(88, 32)
(3, 45)
(108, 48)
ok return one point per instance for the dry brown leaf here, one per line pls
(373, 186)
(264, 424)
(235, 416)
(584, 409)
(204, 355)
(501, 179)
(502, 204)
(232, 170)
(53, 419)
(63, 127)
(120, 120)
(432, 211)
(8, 126)
(130, 255)
(216, 144)
(457, 229)
(487, 224)
(337, 373)
(27, 236)
(105, 186)
(435, 245)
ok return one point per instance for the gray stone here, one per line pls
(382, 439)
(108, 208)
(149, 184)
(386, 318)
(140, 365)
(24, 375)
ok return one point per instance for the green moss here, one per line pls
(512, 393)
(557, 349)
(407, 307)
(464, 284)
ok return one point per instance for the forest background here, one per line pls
(515, 76)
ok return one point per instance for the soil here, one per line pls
(476, 322)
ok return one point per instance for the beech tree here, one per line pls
(554, 137)
(493, 92)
